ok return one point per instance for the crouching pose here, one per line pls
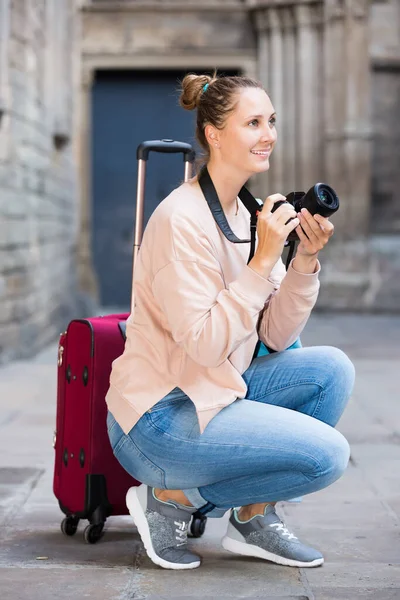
(191, 414)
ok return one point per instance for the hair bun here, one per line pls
(192, 89)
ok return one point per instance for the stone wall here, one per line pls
(38, 180)
(45, 221)
(385, 63)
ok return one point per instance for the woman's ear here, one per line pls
(212, 136)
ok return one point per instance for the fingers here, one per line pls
(284, 213)
(292, 224)
(324, 223)
(316, 230)
(270, 201)
(302, 236)
(310, 227)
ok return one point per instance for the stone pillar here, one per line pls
(4, 83)
(309, 95)
(276, 70)
(290, 67)
(261, 186)
(86, 274)
(347, 113)
(358, 129)
(287, 121)
(271, 74)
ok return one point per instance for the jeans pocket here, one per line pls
(137, 464)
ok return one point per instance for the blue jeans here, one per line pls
(276, 444)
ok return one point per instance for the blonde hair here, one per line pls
(215, 98)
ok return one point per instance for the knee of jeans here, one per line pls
(334, 457)
(340, 369)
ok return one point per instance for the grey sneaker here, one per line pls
(163, 527)
(265, 536)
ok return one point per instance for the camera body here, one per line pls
(320, 199)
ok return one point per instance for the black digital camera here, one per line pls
(321, 199)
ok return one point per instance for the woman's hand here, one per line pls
(314, 233)
(272, 230)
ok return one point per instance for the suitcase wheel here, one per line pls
(69, 525)
(93, 533)
(198, 525)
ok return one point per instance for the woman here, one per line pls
(191, 415)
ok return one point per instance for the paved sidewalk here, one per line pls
(354, 522)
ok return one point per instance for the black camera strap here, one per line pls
(211, 196)
(252, 205)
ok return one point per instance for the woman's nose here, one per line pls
(269, 135)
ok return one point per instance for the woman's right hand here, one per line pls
(273, 229)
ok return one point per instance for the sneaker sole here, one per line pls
(249, 550)
(138, 515)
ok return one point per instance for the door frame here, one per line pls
(88, 284)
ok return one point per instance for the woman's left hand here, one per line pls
(314, 232)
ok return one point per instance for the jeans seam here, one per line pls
(141, 454)
(167, 403)
(319, 403)
(286, 387)
(283, 493)
(113, 425)
(186, 441)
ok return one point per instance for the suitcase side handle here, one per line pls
(166, 146)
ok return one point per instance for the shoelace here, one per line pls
(281, 527)
(182, 529)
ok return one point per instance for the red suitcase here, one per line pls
(89, 482)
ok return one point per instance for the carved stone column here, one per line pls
(358, 127)
(4, 82)
(347, 113)
(287, 121)
(261, 23)
(271, 74)
(276, 92)
(261, 185)
(290, 65)
(309, 94)
(87, 278)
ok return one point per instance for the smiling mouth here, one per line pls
(261, 152)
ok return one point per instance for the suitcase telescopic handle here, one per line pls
(165, 146)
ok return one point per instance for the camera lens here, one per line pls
(327, 197)
(324, 197)
(321, 199)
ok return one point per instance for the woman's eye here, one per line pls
(254, 122)
(272, 122)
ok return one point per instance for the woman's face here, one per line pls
(249, 135)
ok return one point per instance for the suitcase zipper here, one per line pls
(59, 362)
(61, 351)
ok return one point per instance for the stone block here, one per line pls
(100, 33)
(362, 593)
(161, 31)
(13, 232)
(12, 204)
(3, 283)
(385, 154)
(46, 583)
(385, 34)
(372, 577)
(9, 340)
(18, 21)
(350, 277)
(7, 308)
